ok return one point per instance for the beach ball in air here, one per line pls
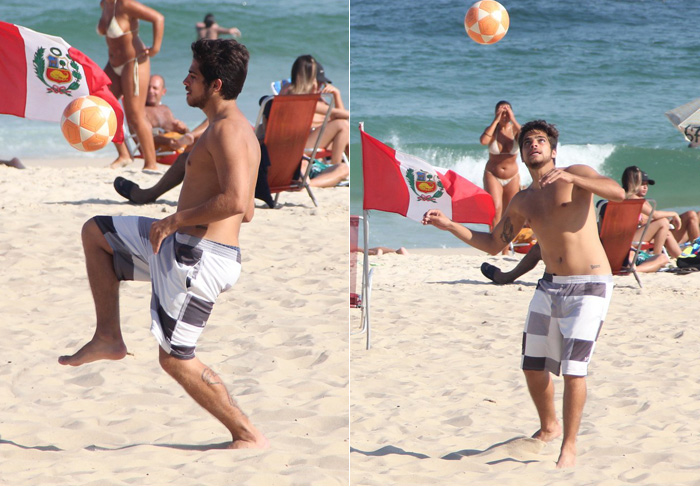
(88, 123)
(487, 22)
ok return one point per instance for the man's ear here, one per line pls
(217, 84)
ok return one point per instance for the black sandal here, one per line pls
(489, 270)
(124, 187)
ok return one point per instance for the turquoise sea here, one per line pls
(274, 31)
(604, 71)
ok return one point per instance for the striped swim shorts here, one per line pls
(187, 275)
(563, 322)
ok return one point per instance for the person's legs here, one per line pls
(123, 157)
(494, 188)
(658, 232)
(107, 343)
(541, 388)
(574, 400)
(337, 133)
(525, 265)
(135, 109)
(690, 228)
(330, 176)
(172, 177)
(207, 389)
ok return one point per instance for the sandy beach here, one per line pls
(439, 399)
(278, 339)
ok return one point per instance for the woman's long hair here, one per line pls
(303, 75)
(631, 180)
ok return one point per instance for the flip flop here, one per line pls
(123, 187)
(488, 271)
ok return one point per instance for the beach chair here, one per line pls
(360, 300)
(286, 124)
(322, 153)
(276, 86)
(618, 224)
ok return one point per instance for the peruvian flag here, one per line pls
(401, 183)
(41, 74)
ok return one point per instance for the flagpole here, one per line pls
(365, 271)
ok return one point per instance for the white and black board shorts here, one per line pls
(187, 275)
(563, 322)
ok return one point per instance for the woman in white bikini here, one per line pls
(501, 177)
(308, 76)
(129, 68)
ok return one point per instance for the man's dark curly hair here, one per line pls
(547, 128)
(224, 59)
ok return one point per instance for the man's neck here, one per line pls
(218, 108)
(537, 173)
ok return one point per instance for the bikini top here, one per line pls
(114, 30)
(494, 149)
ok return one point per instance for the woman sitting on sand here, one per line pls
(308, 76)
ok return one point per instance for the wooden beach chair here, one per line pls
(360, 300)
(286, 125)
(618, 224)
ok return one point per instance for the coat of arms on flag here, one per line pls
(425, 185)
(57, 66)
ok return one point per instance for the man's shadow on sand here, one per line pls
(175, 446)
(481, 283)
(509, 449)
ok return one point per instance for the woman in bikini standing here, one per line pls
(129, 68)
(501, 176)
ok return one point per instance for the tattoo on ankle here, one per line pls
(210, 377)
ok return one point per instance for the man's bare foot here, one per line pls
(95, 349)
(567, 457)
(260, 442)
(152, 167)
(120, 162)
(549, 434)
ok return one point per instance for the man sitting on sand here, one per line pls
(191, 256)
(572, 298)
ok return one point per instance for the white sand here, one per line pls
(278, 339)
(439, 398)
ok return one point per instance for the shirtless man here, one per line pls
(192, 255)
(161, 117)
(209, 29)
(561, 327)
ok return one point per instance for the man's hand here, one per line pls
(179, 126)
(160, 229)
(555, 174)
(437, 219)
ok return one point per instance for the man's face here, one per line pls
(156, 90)
(198, 94)
(536, 150)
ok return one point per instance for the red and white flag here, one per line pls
(401, 183)
(41, 74)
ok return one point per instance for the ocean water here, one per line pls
(274, 31)
(603, 71)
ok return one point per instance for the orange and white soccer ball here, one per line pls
(89, 123)
(487, 22)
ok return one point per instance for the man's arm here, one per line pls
(587, 179)
(233, 176)
(503, 233)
